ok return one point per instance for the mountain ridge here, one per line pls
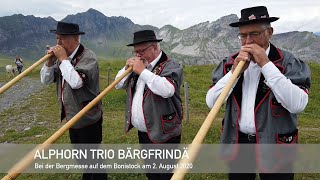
(203, 43)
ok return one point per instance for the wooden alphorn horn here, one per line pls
(22, 165)
(194, 147)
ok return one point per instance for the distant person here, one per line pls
(74, 69)
(19, 63)
(262, 106)
(153, 88)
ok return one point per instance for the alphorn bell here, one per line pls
(24, 73)
(18, 168)
(195, 146)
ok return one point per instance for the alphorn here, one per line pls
(23, 74)
(194, 147)
(18, 168)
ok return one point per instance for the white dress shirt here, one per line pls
(287, 94)
(158, 85)
(69, 74)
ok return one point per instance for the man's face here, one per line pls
(255, 34)
(146, 51)
(68, 42)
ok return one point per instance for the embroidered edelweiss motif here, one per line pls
(82, 75)
(265, 88)
(252, 16)
(228, 68)
(173, 81)
(157, 70)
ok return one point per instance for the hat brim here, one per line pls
(253, 21)
(54, 31)
(156, 40)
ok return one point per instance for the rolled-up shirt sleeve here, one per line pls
(120, 85)
(158, 85)
(215, 91)
(70, 75)
(289, 95)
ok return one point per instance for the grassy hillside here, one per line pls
(5, 60)
(40, 112)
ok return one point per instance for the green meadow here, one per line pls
(40, 112)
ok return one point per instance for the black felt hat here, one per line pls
(254, 15)
(64, 28)
(144, 36)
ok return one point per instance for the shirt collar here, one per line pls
(74, 52)
(155, 61)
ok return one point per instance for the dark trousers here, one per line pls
(144, 139)
(19, 68)
(91, 134)
(247, 139)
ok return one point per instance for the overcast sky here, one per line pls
(294, 14)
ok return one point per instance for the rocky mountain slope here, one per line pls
(203, 43)
(210, 42)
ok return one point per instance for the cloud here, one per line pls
(37, 7)
(181, 14)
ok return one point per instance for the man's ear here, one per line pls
(270, 32)
(154, 46)
(76, 37)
